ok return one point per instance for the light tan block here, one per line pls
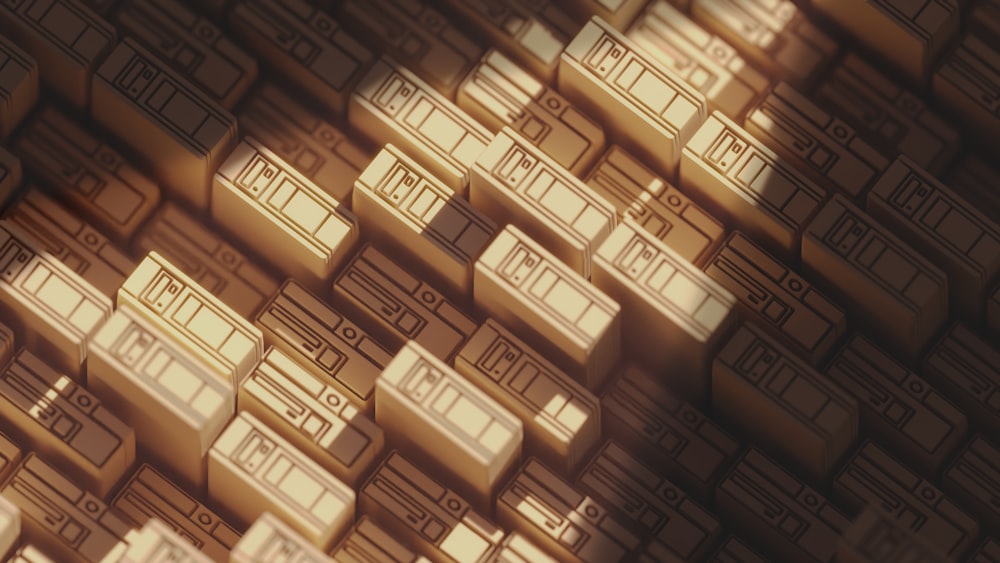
(10, 526)
(370, 542)
(618, 13)
(900, 297)
(568, 320)
(59, 310)
(313, 416)
(89, 175)
(514, 182)
(251, 469)
(674, 317)
(281, 214)
(176, 404)
(966, 82)
(269, 538)
(19, 85)
(405, 209)
(499, 93)
(746, 184)
(10, 455)
(28, 553)
(200, 323)
(157, 542)
(561, 418)
(647, 108)
(517, 548)
(393, 105)
(437, 417)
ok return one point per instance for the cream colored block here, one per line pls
(157, 542)
(73, 524)
(568, 320)
(59, 309)
(729, 86)
(29, 554)
(642, 196)
(441, 419)
(10, 174)
(427, 516)
(910, 34)
(305, 45)
(562, 419)
(517, 548)
(66, 38)
(281, 214)
(674, 318)
(270, 539)
(944, 228)
(206, 257)
(515, 183)
(403, 207)
(199, 322)
(369, 542)
(89, 175)
(392, 105)
(966, 82)
(10, 526)
(900, 297)
(175, 403)
(774, 35)
(10, 453)
(647, 108)
(498, 93)
(826, 148)
(252, 469)
(744, 183)
(311, 144)
(313, 416)
(618, 13)
(72, 241)
(19, 85)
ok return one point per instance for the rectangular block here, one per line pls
(897, 407)
(10, 525)
(875, 536)
(561, 418)
(148, 495)
(396, 307)
(747, 185)
(500, 93)
(428, 517)
(784, 404)
(193, 45)
(60, 233)
(893, 119)
(883, 284)
(393, 105)
(175, 403)
(821, 145)
(441, 420)
(554, 514)
(181, 134)
(310, 143)
(735, 550)
(59, 309)
(252, 469)
(200, 323)
(967, 82)
(67, 39)
(674, 317)
(652, 504)
(778, 300)
(775, 36)
(28, 553)
(156, 540)
(871, 476)
(967, 369)
(973, 479)
(569, 321)
(762, 500)
(10, 174)
(281, 214)
(18, 85)
(91, 176)
(516, 548)
(323, 342)
(987, 552)
(944, 227)
(313, 416)
(10, 455)
(618, 13)
(514, 182)
(403, 207)
(269, 538)
(73, 524)
(368, 542)
(975, 179)
(205, 256)
(648, 109)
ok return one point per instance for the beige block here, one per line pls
(10, 525)
(28, 553)
(370, 542)
(437, 417)
(156, 541)
(290, 221)
(252, 469)
(514, 182)
(568, 320)
(10, 455)
(500, 93)
(648, 109)
(393, 105)
(966, 82)
(618, 13)
(673, 316)
(19, 85)
(517, 548)
(269, 538)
